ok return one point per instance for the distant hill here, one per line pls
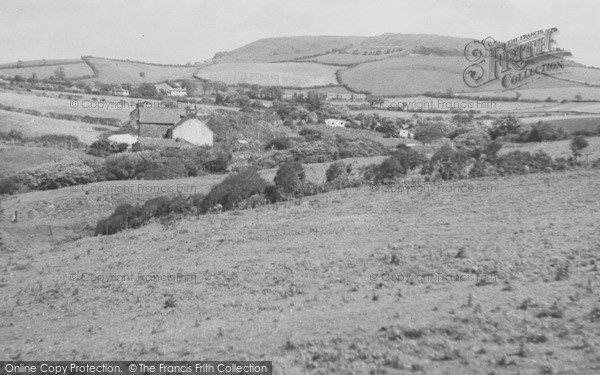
(286, 48)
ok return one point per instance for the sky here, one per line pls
(184, 31)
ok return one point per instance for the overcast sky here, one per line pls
(181, 31)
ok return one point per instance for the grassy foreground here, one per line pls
(321, 286)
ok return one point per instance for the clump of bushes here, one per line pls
(233, 190)
(337, 170)
(522, 162)
(46, 140)
(280, 143)
(449, 164)
(104, 147)
(431, 130)
(127, 216)
(54, 175)
(403, 160)
(543, 132)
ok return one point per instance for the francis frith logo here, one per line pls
(514, 63)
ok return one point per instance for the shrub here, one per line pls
(163, 169)
(577, 144)
(281, 143)
(474, 141)
(104, 147)
(505, 125)
(522, 162)
(10, 185)
(66, 172)
(234, 189)
(432, 130)
(126, 166)
(449, 164)
(156, 207)
(492, 149)
(336, 170)
(542, 132)
(311, 134)
(290, 179)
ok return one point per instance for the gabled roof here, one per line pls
(160, 116)
(189, 116)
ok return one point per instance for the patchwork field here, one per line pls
(267, 74)
(352, 281)
(78, 69)
(114, 71)
(34, 126)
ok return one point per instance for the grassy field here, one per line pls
(57, 105)
(31, 63)
(15, 158)
(558, 93)
(278, 74)
(113, 71)
(34, 126)
(555, 149)
(352, 281)
(71, 70)
(407, 75)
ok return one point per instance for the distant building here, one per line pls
(177, 91)
(335, 122)
(121, 92)
(348, 97)
(406, 134)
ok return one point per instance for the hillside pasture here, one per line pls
(36, 126)
(72, 70)
(115, 71)
(268, 74)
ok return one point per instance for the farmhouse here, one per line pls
(171, 123)
(335, 122)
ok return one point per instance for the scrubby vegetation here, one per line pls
(46, 140)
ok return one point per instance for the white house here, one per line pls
(335, 122)
(177, 91)
(191, 130)
(406, 134)
(121, 92)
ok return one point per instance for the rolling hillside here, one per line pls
(387, 64)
